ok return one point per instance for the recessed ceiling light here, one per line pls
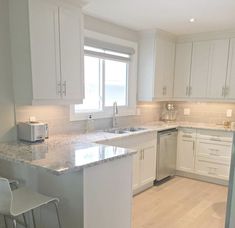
(192, 20)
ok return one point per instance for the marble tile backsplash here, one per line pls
(58, 117)
(205, 112)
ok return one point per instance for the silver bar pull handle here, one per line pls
(65, 88)
(59, 88)
(187, 136)
(187, 91)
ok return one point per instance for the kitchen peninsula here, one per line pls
(92, 181)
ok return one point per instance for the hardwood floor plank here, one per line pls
(181, 203)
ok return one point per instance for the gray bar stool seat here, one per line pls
(21, 201)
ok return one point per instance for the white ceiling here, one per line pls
(169, 15)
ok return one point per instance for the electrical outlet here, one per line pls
(187, 111)
(229, 113)
(32, 119)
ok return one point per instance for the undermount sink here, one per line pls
(116, 131)
(125, 130)
(134, 129)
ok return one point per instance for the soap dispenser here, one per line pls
(90, 124)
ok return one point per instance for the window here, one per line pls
(106, 75)
(108, 70)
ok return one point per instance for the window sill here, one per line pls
(100, 114)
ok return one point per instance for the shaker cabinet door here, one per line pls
(71, 44)
(148, 165)
(182, 69)
(44, 40)
(230, 83)
(200, 69)
(218, 69)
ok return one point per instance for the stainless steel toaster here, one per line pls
(32, 131)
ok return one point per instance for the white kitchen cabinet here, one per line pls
(186, 150)
(147, 163)
(165, 56)
(47, 52)
(156, 71)
(204, 152)
(230, 82)
(136, 170)
(218, 69)
(213, 154)
(182, 69)
(144, 162)
(200, 69)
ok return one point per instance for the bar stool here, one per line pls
(21, 201)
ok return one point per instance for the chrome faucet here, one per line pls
(115, 113)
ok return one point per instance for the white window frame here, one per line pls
(131, 83)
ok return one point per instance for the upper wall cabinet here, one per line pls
(200, 69)
(219, 50)
(182, 69)
(156, 66)
(230, 81)
(47, 52)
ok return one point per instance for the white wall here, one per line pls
(108, 28)
(7, 131)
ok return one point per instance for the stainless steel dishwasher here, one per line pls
(166, 153)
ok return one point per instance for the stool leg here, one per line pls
(5, 220)
(14, 223)
(57, 213)
(25, 221)
(33, 217)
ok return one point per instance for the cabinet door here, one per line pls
(148, 165)
(185, 154)
(44, 40)
(218, 69)
(230, 83)
(182, 69)
(71, 44)
(164, 75)
(200, 69)
(136, 171)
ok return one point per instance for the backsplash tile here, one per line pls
(58, 117)
(209, 112)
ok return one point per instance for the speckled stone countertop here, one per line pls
(66, 153)
(204, 126)
(61, 157)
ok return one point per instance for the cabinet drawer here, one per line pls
(218, 150)
(207, 168)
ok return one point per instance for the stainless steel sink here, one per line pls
(125, 130)
(116, 131)
(134, 129)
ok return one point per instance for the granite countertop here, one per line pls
(206, 126)
(61, 157)
(66, 153)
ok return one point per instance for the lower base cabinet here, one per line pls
(144, 161)
(205, 152)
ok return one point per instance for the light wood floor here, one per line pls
(181, 203)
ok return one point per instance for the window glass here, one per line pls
(115, 82)
(92, 79)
